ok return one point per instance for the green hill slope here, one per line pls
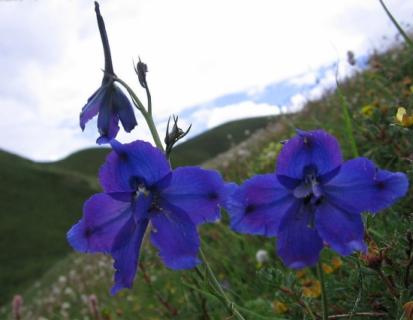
(36, 209)
(191, 152)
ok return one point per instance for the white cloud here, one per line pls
(51, 55)
(213, 117)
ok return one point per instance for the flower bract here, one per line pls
(140, 189)
(313, 198)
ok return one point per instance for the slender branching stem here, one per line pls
(323, 291)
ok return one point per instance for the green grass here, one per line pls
(37, 207)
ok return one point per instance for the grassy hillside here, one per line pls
(36, 208)
(356, 286)
(191, 152)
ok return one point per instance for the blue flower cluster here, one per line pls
(312, 199)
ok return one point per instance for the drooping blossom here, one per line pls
(140, 189)
(314, 197)
(109, 101)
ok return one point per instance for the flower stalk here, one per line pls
(324, 303)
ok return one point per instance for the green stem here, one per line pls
(230, 305)
(149, 120)
(323, 291)
(397, 25)
(148, 94)
(146, 114)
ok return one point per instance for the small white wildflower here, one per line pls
(65, 305)
(262, 256)
(62, 279)
(69, 291)
(84, 298)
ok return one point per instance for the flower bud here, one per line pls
(141, 69)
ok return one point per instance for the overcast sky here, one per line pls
(209, 61)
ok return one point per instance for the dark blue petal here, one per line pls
(342, 230)
(196, 191)
(316, 149)
(359, 186)
(103, 217)
(124, 109)
(136, 160)
(299, 244)
(258, 205)
(175, 236)
(92, 106)
(108, 120)
(126, 247)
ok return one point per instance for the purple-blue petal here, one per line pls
(360, 186)
(299, 243)
(176, 238)
(342, 230)
(108, 121)
(258, 205)
(103, 217)
(92, 107)
(126, 247)
(317, 149)
(136, 160)
(198, 192)
(124, 109)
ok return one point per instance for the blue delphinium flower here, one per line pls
(108, 101)
(141, 189)
(313, 197)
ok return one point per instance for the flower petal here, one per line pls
(176, 238)
(360, 186)
(299, 245)
(136, 160)
(108, 120)
(258, 205)
(342, 230)
(196, 191)
(316, 148)
(124, 109)
(92, 107)
(126, 252)
(102, 220)
(127, 245)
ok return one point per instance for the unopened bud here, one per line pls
(141, 69)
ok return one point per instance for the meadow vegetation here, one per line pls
(376, 285)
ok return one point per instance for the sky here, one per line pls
(209, 61)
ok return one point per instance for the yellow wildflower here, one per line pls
(367, 110)
(337, 263)
(327, 268)
(311, 288)
(300, 274)
(279, 307)
(403, 118)
(411, 89)
(408, 310)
